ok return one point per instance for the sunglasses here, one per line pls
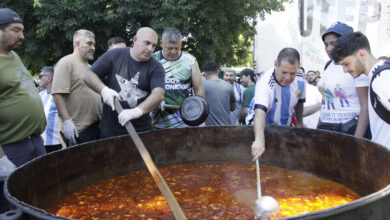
(41, 76)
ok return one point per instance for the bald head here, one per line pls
(145, 31)
(145, 42)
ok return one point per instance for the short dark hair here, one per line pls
(210, 67)
(115, 40)
(248, 72)
(290, 55)
(349, 44)
(48, 69)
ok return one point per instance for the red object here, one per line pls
(294, 121)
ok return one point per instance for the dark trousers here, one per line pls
(20, 153)
(347, 128)
(51, 148)
(89, 134)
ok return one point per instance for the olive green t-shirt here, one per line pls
(21, 109)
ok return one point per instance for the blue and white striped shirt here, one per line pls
(50, 135)
(276, 100)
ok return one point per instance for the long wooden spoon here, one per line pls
(158, 178)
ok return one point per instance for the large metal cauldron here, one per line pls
(357, 163)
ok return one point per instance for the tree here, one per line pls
(220, 30)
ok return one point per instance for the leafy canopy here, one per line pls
(220, 30)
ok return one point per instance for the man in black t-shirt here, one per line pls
(132, 77)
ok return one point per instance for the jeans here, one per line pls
(89, 134)
(20, 153)
(348, 127)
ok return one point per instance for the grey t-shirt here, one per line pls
(219, 95)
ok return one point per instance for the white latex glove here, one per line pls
(108, 96)
(162, 106)
(6, 167)
(129, 114)
(70, 131)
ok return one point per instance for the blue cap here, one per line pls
(8, 16)
(339, 29)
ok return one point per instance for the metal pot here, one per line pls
(357, 163)
(194, 110)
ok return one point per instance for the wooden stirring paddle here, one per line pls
(158, 178)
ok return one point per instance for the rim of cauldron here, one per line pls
(42, 214)
(25, 207)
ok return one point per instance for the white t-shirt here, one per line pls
(239, 94)
(380, 130)
(279, 101)
(340, 101)
(313, 96)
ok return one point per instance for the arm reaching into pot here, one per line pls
(197, 81)
(258, 146)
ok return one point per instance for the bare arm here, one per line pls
(197, 80)
(59, 100)
(258, 146)
(363, 115)
(311, 109)
(2, 154)
(93, 81)
(153, 100)
(232, 106)
(232, 100)
(243, 114)
(299, 113)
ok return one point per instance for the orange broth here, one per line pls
(204, 191)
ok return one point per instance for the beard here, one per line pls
(90, 56)
(13, 46)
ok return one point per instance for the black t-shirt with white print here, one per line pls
(133, 80)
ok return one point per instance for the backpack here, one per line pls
(380, 110)
(327, 64)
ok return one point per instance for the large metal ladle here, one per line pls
(265, 206)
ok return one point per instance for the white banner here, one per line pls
(302, 23)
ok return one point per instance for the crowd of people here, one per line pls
(76, 100)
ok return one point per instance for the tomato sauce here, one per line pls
(204, 191)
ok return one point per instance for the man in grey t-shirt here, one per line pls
(219, 95)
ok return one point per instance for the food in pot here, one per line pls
(204, 191)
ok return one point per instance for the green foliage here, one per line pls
(220, 30)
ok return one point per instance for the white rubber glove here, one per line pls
(6, 167)
(129, 114)
(70, 131)
(108, 96)
(162, 106)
